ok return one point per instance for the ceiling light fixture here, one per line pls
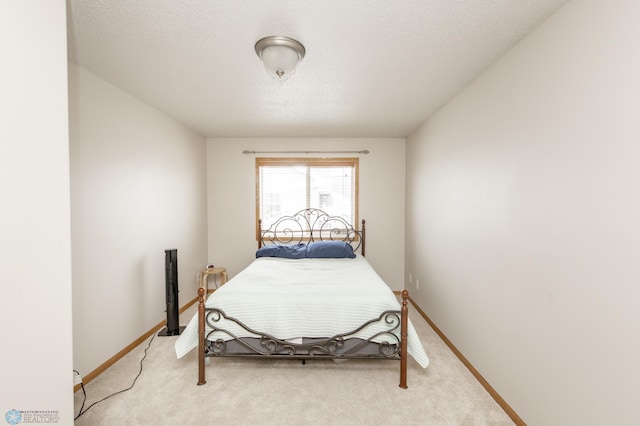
(280, 54)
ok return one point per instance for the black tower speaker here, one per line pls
(171, 288)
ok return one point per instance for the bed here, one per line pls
(310, 293)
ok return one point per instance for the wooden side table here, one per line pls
(218, 271)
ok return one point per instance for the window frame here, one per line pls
(309, 162)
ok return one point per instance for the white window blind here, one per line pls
(287, 185)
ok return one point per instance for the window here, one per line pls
(285, 186)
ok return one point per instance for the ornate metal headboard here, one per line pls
(311, 225)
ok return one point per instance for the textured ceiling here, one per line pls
(374, 68)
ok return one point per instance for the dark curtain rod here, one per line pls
(365, 151)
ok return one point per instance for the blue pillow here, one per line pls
(297, 251)
(330, 249)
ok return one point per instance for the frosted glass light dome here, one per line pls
(280, 54)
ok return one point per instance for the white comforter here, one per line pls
(292, 298)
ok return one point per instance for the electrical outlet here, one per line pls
(410, 278)
(77, 378)
(417, 285)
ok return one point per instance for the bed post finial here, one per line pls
(404, 318)
(259, 236)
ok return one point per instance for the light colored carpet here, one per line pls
(283, 392)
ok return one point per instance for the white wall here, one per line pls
(232, 198)
(35, 248)
(523, 201)
(138, 187)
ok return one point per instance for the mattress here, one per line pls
(302, 298)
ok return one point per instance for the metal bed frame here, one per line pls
(307, 225)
